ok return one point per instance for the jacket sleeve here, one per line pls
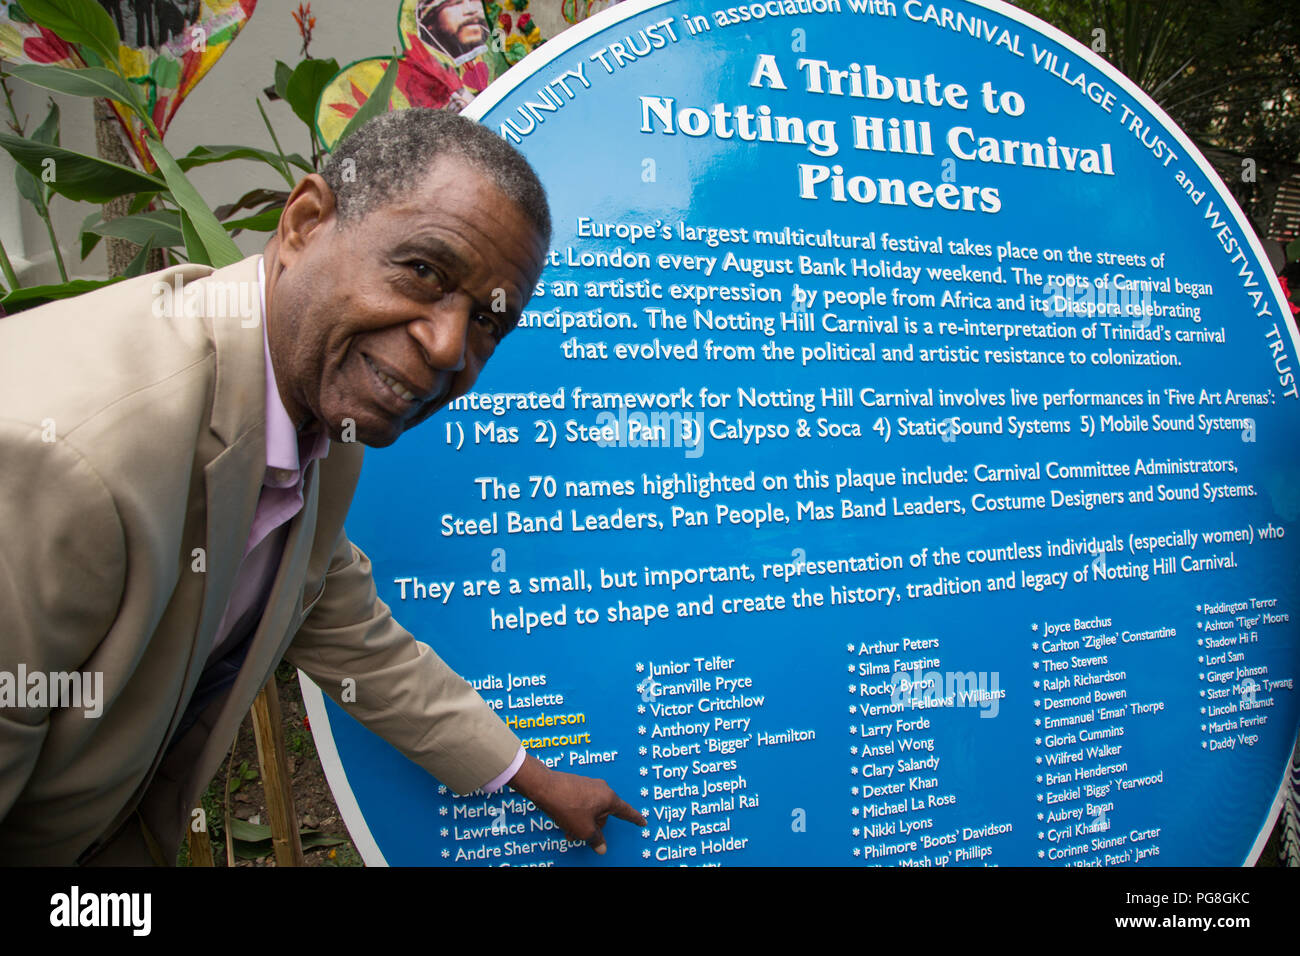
(403, 691)
(62, 572)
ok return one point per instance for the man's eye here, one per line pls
(426, 272)
(489, 323)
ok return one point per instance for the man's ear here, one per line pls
(310, 207)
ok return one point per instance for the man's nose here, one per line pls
(443, 332)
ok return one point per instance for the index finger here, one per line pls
(624, 812)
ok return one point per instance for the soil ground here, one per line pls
(311, 794)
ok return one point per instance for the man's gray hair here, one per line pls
(389, 154)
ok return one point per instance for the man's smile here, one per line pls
(407, 394)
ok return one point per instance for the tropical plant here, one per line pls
(87, 27)
(1224, 72)
(166, 211)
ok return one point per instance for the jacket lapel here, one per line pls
(234, 477)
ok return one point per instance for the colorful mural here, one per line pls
(167, 47)
(451, 51)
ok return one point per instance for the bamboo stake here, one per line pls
(200, 848)
(272, 757)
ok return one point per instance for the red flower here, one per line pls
(505, 21)
(47, 48)
(424, 80)
(306, 23)
(476, 76)
(525, 20)
(306, 723)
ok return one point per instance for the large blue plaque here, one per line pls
(894, 466)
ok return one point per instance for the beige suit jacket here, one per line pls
(158, 448)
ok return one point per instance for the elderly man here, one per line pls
(175, 477)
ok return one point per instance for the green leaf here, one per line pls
(7, 268)
(34, 295)
(283, 165)
(282, 73)
(161, 227)
(40, 193)
(137, 265)
(305, 85)
(48, 131)
(253, 840)
(141, 201)
(89, 240)
(252, 199)
(35, 192)
(30, 190)
(249, 832)
(78, 21)
(268, 220)
(90, 81)
(203, 155)
(78, 176)
(197, 251)
(92, 58)
(205, 240)
(311, 839)
(377, 105)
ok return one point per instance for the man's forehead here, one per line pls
(455, 200)
(450, 188)
(451, 169)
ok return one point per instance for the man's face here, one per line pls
(461, 23)
(391, 316)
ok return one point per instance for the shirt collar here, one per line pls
(287, 450)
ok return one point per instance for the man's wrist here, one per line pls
(530, 778)
(501, 779)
